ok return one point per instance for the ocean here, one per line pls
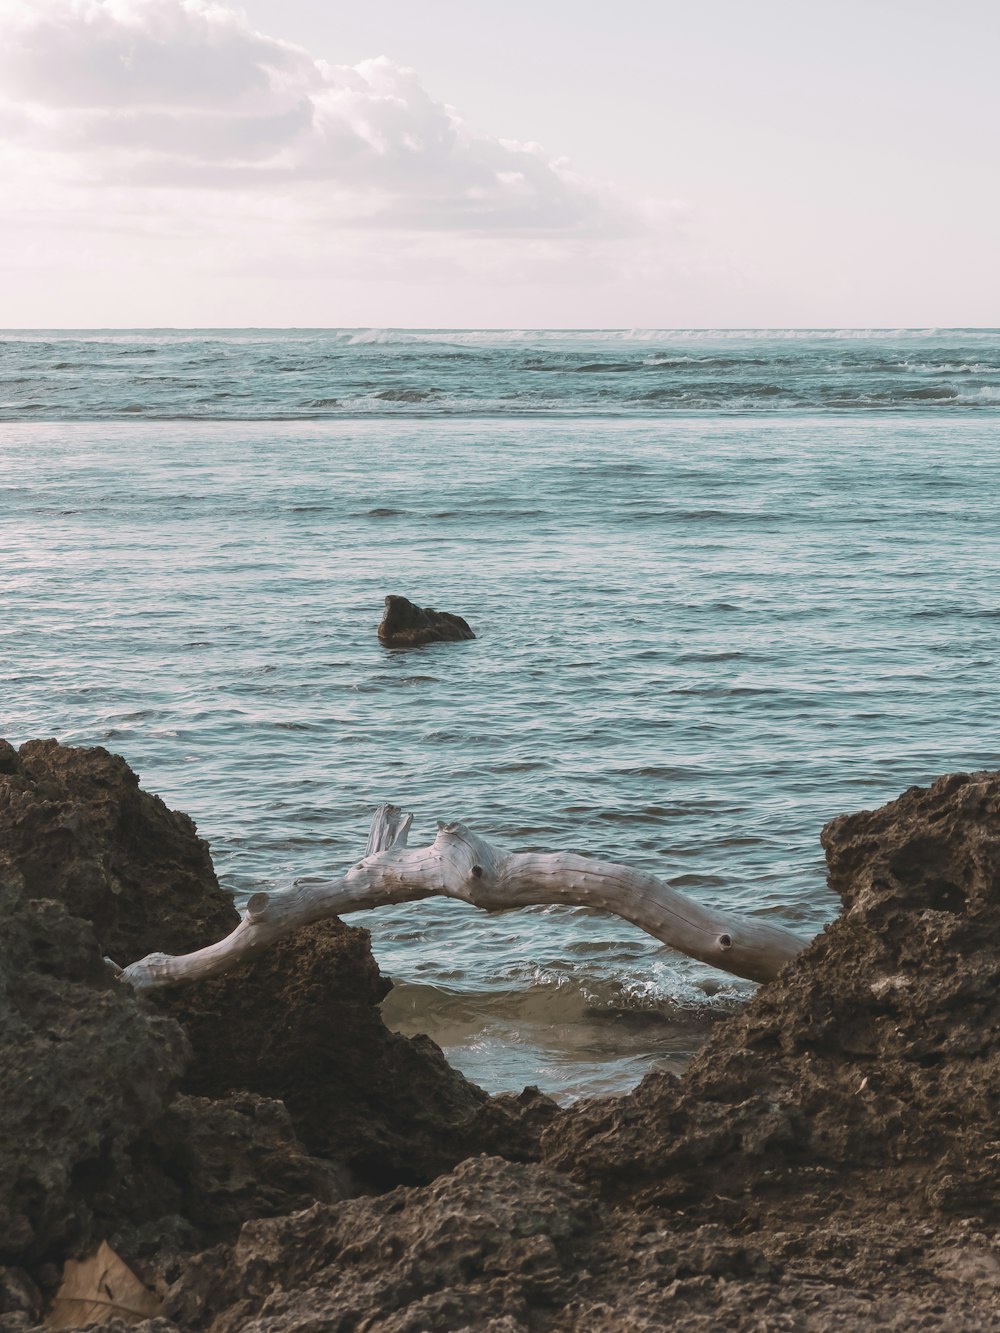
(726, 586)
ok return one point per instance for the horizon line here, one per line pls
(502, 328)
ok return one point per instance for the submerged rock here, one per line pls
(405, 625)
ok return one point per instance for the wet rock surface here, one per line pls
(405, 625)
(261, 1149)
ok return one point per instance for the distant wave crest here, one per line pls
(289, 375)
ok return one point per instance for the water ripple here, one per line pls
(693, 697)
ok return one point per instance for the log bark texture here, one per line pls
(459, 864)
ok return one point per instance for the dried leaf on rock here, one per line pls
(99, 1289)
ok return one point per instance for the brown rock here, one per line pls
(19, 1296)
(488, 1242)
(233, 1159)
(301, 1024)
(877, 1049)
(78, 829)
(92, 1143)
(405, 625)
(83, 1069)
(831, 1160)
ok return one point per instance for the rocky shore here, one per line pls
(266, 1156)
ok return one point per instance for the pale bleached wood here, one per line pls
(459, 864)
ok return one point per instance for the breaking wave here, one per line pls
(288, 375)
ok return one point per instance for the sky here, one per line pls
(536, 163)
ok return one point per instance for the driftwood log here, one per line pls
(458, 864)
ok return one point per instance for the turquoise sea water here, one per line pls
(726, 586)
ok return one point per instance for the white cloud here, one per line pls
(183, 94)
(163, 163)
(142, 53)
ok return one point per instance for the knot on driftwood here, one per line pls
(257, 905)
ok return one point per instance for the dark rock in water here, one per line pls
(300, 1023)
(404, 625)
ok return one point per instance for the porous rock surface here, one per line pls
(405, 625)
(83, 1069)
(829, 1161)
(877, 1051)
(165, 1131)
(300, 1023)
